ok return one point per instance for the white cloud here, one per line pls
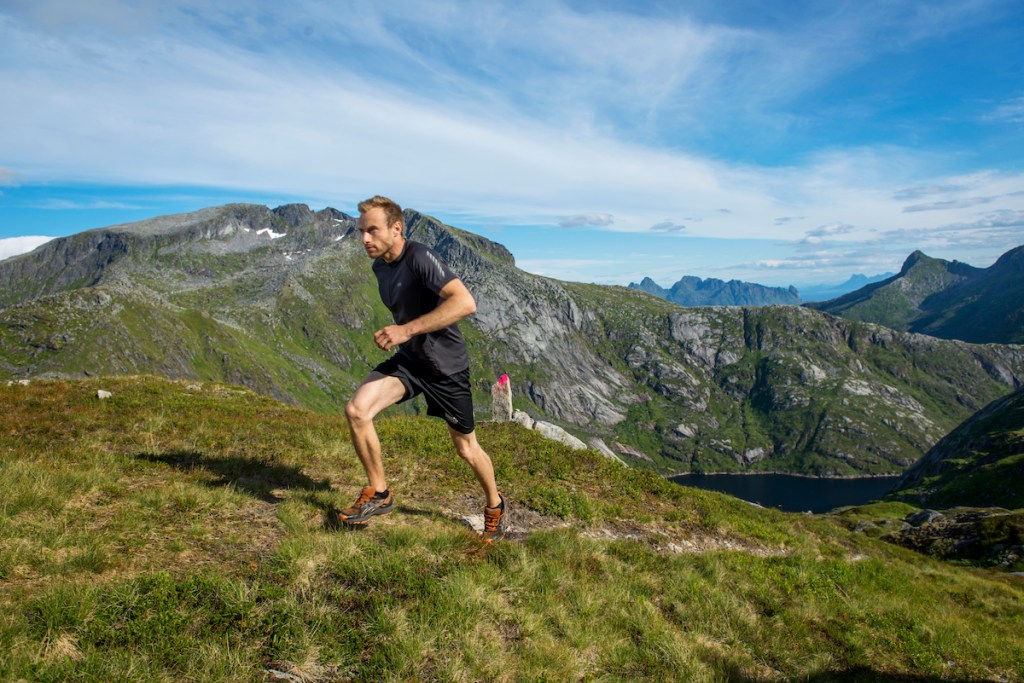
(949, 204)
(581, 220)
(830, 230)
(668, 227)
(926, 191)
(783, 220)
(12, 246)
(824, 234)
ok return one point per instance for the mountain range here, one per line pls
(946, 299)
(694, 291)
(283, 301)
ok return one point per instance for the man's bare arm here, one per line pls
(456, 303)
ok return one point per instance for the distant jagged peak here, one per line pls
(651, 287)
(691, 290)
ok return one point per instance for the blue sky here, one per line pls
(781, 143)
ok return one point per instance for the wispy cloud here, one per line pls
(949, 204)
(822, 232)
(912, 193)
(592, 220)
(668, 227)
(997, 231)
(1011, 112)
(785, 220)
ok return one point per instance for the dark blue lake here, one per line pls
(791, 493)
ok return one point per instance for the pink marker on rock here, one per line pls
(501, 400)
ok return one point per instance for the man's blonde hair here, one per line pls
(392, 211)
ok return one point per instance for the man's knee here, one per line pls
(356, 413)
(465, 446)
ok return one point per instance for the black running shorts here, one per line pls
(448, 396)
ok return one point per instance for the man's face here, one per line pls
(379, 239)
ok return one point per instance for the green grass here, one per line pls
(175, 534)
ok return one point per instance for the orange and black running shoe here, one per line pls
(496, 521)
(367, 505)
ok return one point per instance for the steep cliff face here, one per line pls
(284, 301)
(784, 388)
(533, 329)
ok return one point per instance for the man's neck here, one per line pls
(395, 251)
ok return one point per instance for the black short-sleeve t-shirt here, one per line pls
(410, 286)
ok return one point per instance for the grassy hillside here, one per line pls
(979, 463)
(180, 532)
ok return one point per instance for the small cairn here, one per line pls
(501, 400)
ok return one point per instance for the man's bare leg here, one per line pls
(469, 450)
(375, 394)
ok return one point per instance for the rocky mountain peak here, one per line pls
(914, 259)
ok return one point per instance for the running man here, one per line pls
(426, 300)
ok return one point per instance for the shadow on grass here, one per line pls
(331, 520)
(332, 523)
(857, 674)
(422, 512)
(866, 675)
(257, 478)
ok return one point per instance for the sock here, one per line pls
(381, 495)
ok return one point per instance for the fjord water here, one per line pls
(793, 493)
